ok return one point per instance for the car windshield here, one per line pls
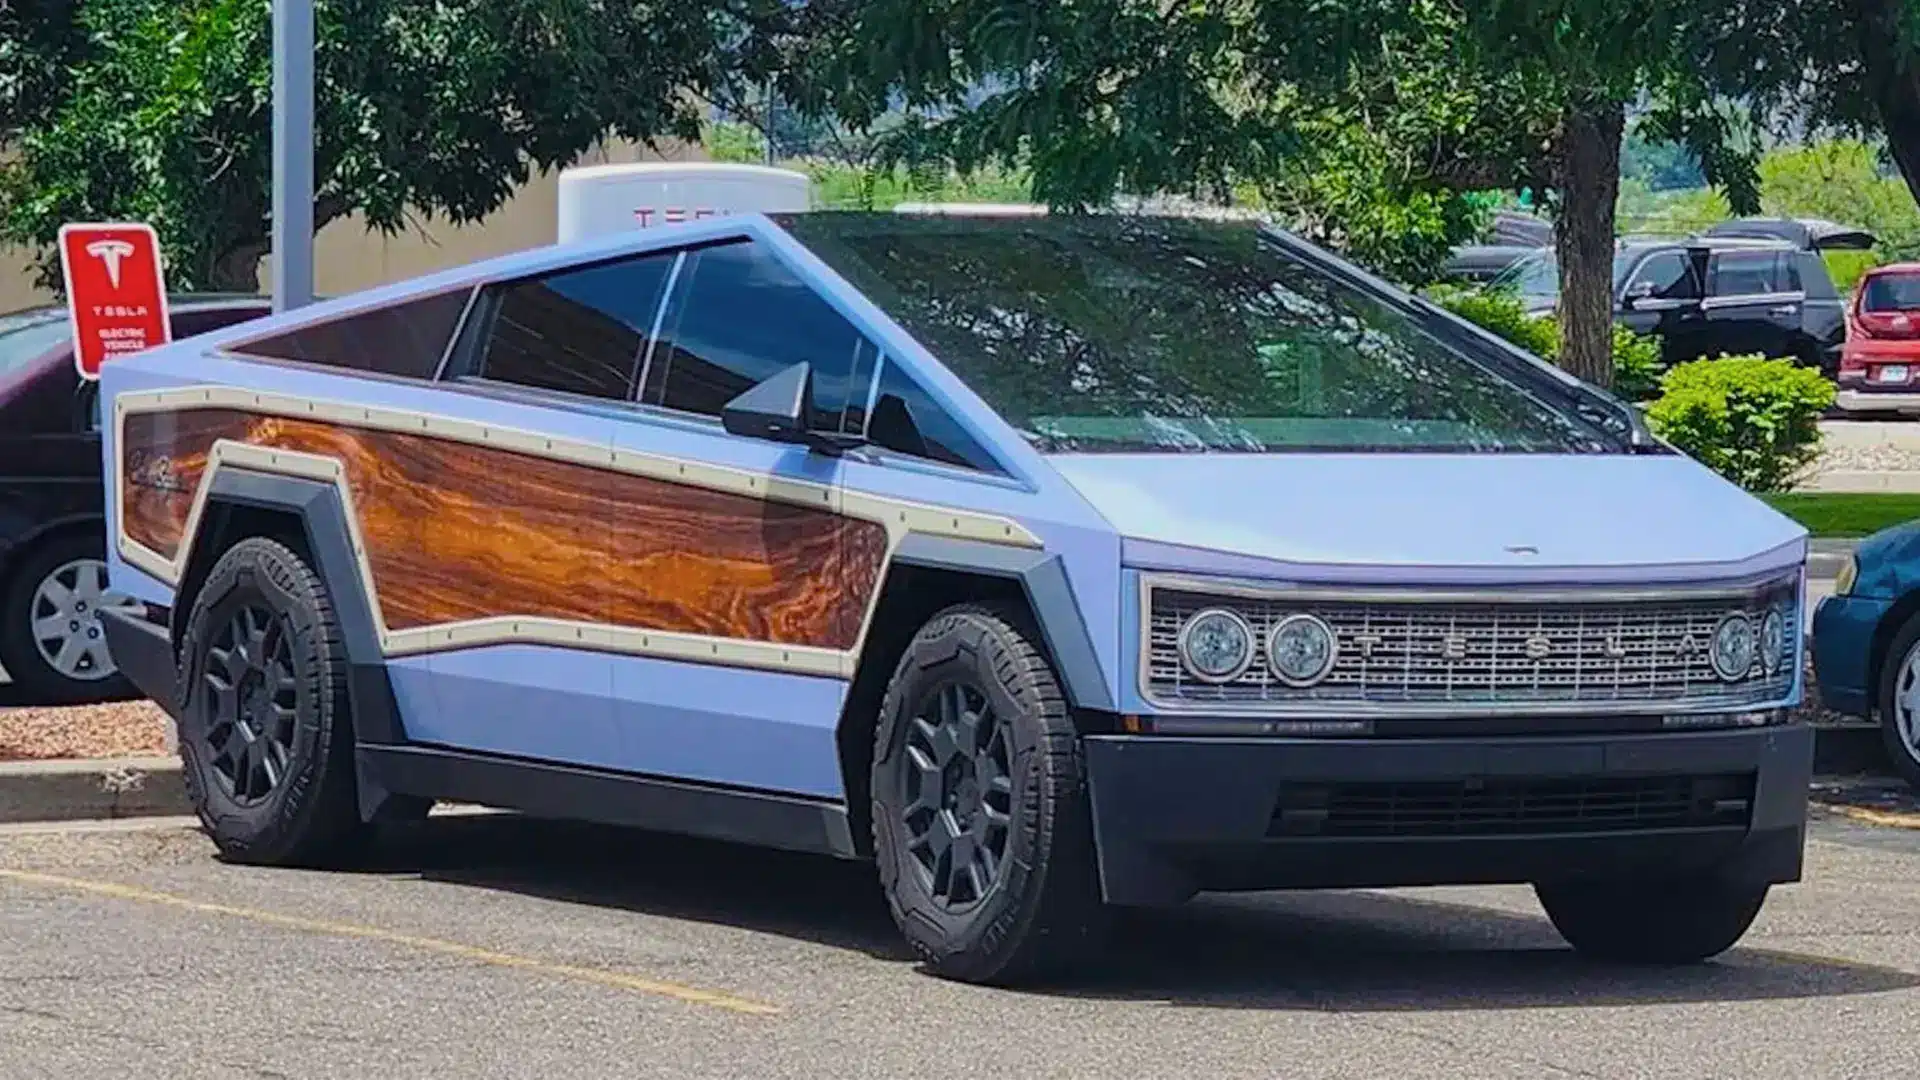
(27, 335)
(1891, 292)
(1120, 333)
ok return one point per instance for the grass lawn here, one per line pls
(1846, 514)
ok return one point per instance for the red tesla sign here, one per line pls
(116, 292)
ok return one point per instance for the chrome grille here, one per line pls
(1487, 652)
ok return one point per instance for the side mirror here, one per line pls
(1636, 292)
(776, 409)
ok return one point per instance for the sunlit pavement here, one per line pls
(501, 947)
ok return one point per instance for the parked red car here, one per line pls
(52, 505)
(1880, 363)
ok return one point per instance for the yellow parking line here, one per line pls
(1896, 819)
(616, 980)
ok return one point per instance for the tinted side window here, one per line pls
(738, 315)
(1746, 273)
(580, 332)
(406, 339)
(1668, 272)
(905, 419)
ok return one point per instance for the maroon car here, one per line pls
(52, 518)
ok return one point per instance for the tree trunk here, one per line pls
(1589, 161)
(238, 269)
(1893, 82)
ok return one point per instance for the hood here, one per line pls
(1434, 511)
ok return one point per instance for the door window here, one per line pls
(1747, 273)
(581, 332)
(903, 418)
(1664, 275)
(738, 316)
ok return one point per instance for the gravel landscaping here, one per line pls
(115, 729)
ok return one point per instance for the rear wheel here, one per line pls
(1681, 920)
(51, 641)
(982, 830)
(266, 736)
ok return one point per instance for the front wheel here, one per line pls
(1657, 921)
(981, 825)
(1900, 701)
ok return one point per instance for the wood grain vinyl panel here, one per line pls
(456, 532)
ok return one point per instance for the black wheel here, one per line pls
(1900, 701)
(266, 740)
(981, 826)
(1681, 920)
(51, 642)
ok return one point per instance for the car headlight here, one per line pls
(1732, 649)
(1301, 649)
(1773, 641)
(1216, 645)
(1849, 570)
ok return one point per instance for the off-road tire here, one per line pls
(311, 815)
(35, 680)
(1043, 911)
(1892, 666)
(1682, 920)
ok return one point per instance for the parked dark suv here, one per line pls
(52, 527)
(1711, 295)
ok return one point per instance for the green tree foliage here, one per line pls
(1360, 118)
(439, 107)
(1754, 421)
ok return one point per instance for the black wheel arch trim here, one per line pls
(323, 519)
(1042, 576)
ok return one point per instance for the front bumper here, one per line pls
(1842, 648)
(1175, 816)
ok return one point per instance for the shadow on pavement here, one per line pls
(1348, 951)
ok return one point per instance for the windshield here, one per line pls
(28, 335)
(1116, 333)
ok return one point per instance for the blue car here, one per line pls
(1866, 641)
(1053, 564)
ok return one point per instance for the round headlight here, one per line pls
(1733, 646)
(1773, 641)
(1216, 645)
(1301, 649)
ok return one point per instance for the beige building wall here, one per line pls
(348, 257)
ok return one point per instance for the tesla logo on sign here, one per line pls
(116, 291)
(110, 252)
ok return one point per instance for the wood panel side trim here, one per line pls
(896, 517)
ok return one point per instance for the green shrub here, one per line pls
(1636, 364)
(1503, 316)
(1636, 357)
(1754, 421)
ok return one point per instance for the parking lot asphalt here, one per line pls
(506, 947)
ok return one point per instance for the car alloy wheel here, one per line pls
(958, 798)
(251, 704)
(65, 615)
(1906, 704)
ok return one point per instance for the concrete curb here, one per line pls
(91, 790)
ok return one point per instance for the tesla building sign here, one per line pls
(116, 291)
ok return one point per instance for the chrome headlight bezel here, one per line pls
(1315, 624)
(1185, 644)
(1773, 640)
